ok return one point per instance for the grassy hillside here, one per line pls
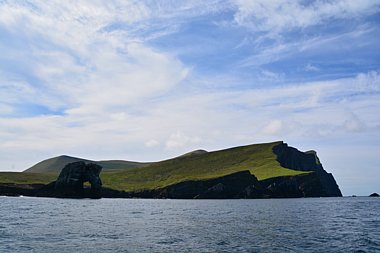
(56, 164)
(26, 178)
(259, 159)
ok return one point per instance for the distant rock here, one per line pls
(71, 179)
(69, 183)
(374, 195)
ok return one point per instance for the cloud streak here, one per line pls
(277, 16)
(73, 66)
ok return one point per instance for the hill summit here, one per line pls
(56, 164)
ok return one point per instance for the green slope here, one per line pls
(26, 178)
(259, 159)
(56, 164)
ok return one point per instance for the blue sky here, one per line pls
(149, 80)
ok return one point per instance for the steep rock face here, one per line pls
(237, 185)
(69, 183)
(306, 185)
(70, 180)
(294, 159)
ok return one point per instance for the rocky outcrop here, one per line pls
(374, 195)
(69, 183)
(294, 159)
(20, 189)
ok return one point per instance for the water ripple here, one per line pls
(138, 225)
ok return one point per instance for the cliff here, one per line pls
(294, 159)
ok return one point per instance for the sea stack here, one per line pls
(69, 183)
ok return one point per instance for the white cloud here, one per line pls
(151, 74)
(271, 76)
(81, 67)
(354, 124)
(278, 15)
(274, 127)
(152, 143)
(5, 109)
(190, 120)
(276, 49)
(178, 140)
(13, 91)
(369, 82)
(311, 67)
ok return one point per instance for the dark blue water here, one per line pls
(141, 225)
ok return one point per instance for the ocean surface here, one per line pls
(149, 225)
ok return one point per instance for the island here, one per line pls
(267, 170)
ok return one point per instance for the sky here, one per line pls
(150, 80)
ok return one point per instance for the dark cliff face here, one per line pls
(236, 185)
(69, 183)
(73, 175)
(301, 186)
(294, 159)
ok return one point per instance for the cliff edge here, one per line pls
(292, 158)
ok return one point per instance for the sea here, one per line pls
(345, 224)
